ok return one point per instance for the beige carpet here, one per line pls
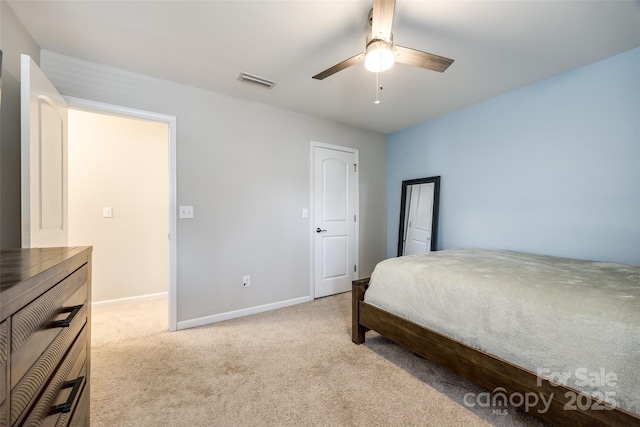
(295, 366)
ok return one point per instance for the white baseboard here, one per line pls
(201, 321)
(129, 300)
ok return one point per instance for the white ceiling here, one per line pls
(498, 46)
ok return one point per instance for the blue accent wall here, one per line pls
(551, 168)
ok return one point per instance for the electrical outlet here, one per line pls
(246, 281)
(185, 212)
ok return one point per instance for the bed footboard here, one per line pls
(359, 287)
(483, 369)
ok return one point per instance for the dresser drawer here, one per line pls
(80, 417)
(45, 335)
(59, 399)
(3, 414)
(38, 343)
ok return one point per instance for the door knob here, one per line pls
(318, 230)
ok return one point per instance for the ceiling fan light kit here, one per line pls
(380, 53)
(379, 56)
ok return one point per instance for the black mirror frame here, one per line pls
(436, 208)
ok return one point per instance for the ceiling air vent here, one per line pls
(250, 78)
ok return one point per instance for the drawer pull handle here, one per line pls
(66, 406)
(64, 323)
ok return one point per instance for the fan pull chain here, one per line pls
(378, 89)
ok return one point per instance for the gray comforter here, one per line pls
(573, 321)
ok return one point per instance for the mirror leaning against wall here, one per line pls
(419, 216)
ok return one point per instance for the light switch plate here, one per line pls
(186, 212)
(107, 212)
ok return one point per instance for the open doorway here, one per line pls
(120, 192)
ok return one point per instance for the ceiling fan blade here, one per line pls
(406, 55)
(339, 67)
(382, 19)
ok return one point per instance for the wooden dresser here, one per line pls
(45, 336)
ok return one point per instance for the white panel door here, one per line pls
(43, 160)
(335, 195)
(419, 220)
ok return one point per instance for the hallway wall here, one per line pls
(121, 163)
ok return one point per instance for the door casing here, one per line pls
(100, 107)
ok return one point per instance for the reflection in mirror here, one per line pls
(419, 216)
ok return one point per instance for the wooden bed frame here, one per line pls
(483, 369)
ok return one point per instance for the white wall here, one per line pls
(121, 163)
(245, 167)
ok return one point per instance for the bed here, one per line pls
(556, 337)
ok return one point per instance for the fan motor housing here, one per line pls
(370, 39)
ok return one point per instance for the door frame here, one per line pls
(356, 237)
(171, 121)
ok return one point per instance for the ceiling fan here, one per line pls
(380, 53)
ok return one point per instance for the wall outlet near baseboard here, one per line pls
(246, 281)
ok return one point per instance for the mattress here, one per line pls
(575, 322)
